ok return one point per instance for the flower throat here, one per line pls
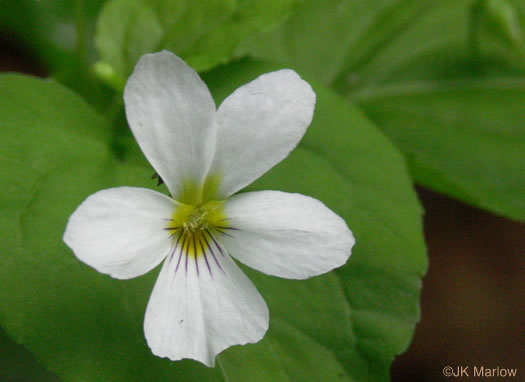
(193, 227)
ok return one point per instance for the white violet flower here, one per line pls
(202, 303)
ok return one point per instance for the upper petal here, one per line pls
(120, 231)
(258, 125)
(202, 305)
(286, 235)
(172, 115)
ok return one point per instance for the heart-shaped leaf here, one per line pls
(348, 325)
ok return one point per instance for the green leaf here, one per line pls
(454, 108)
(345, 162)
(17, 363)
(462, 138)
(85, 326)
(203, 33)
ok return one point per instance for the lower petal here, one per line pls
(202, 304)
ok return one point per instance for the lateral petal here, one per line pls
(120, 231)
(287, 235)
(172, 115)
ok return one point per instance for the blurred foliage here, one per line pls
(203, 33)
(50, 27)
(444, 80)
(328, 38)
(60, 33)
(430, 80)
(499, 25)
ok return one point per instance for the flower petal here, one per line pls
(258, 125)
(172, 115)
(200, 306)
(120, 231)
(286, 235)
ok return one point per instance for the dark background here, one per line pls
(473, 303)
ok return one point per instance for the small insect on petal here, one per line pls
(159, 179)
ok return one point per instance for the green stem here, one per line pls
(80, 31)
(114, 109)
(473, 31)
(113, 115)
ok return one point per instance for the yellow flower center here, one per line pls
(193, 227)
